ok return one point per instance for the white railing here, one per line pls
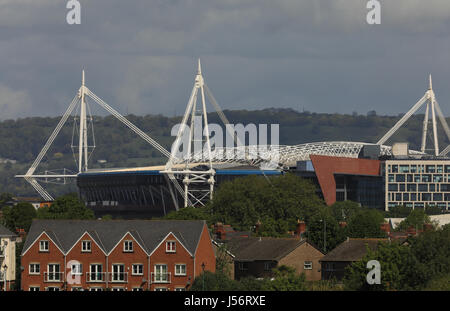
(118, 277)
(161, 277)
(95, 277)
(53, 276)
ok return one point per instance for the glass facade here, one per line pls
(417, 183)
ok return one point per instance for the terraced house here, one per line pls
(122, 255)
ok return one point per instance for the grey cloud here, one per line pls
(140, 55)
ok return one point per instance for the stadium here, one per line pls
(374, 174)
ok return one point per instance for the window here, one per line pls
(243, 266)
(118, 289)
(128, 246)
(161, 289)
(95, 289)
(161, 275)
(86, 246)
(137, 269)
(77, 269)
(53, 274)
(95, 273)
(180, 289)
(35, 268)
(77, 289)
(34, 288)
(307, 265)
(118, 273)
(170, 247)
(329, 266)
(43, 246)
(180, 269)
(267, 266)
(52, 289)
(137, 289)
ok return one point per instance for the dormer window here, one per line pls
(170, 247)
(43, 246)
(128, 246)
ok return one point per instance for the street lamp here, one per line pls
(324, 234)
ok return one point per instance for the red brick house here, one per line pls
(115, 255)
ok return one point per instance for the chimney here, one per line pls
(21, 233)
(219, 231)
(342, 224)
(301, 228)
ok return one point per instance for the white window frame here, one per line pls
(120, 275)
(118, 289)
(34, 289)
(78, 269)
(160, 271)
(42, 243)
(180, 273)
(161, 289)
(137, 265)
(85, 249)
(96, 272)
(34, 264)
(96, 289)
(180, 289)
(307, 265)
(57, 275)
(171, 249)
(137, 289)
(126, 246)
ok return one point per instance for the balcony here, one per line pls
(53, 277)
(161, 278)
(95, 277)
(118, 277)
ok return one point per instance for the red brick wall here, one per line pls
(326, 166)
(96, 256)
(138, 256)
(181, 256)
(205, 253)
(33, 255)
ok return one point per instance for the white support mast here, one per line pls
(429, 99)
(198, 181)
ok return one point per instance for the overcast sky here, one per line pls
(140, 55)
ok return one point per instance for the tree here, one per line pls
(66, 207)
(19, 216)
(393, 259)
(285, 279)
(366, 224)
(416, 219)
(323, 228)
(344, 210)
(277, 202)
(210, 281)
(190, 213)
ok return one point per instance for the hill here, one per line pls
(116, 146)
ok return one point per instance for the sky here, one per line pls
(140, 56)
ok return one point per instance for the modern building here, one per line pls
(257, 256)
(334, 263)
(122, 255)
(7, 258)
